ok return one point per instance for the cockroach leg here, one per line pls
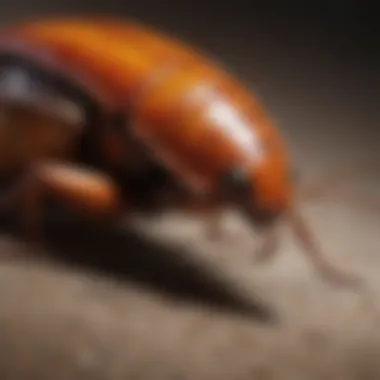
(214, 229)
(89, 192)
(212, 212)
(268, 247)
(310, 247)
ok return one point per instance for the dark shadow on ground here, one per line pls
(125, 255)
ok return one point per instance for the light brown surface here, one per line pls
(65, 325)
(328, 333)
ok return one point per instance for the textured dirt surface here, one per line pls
(65, 324)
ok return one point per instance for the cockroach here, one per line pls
(110, 117)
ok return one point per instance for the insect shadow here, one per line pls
(122, 253)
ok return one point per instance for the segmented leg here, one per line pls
(90, 193)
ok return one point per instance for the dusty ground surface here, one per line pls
(67, 325)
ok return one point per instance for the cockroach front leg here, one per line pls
(268, 247)
(214, 227)
(90, 193)
(212, 212)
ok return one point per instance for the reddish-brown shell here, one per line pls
(182, 105)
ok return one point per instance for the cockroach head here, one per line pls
(238, 188)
